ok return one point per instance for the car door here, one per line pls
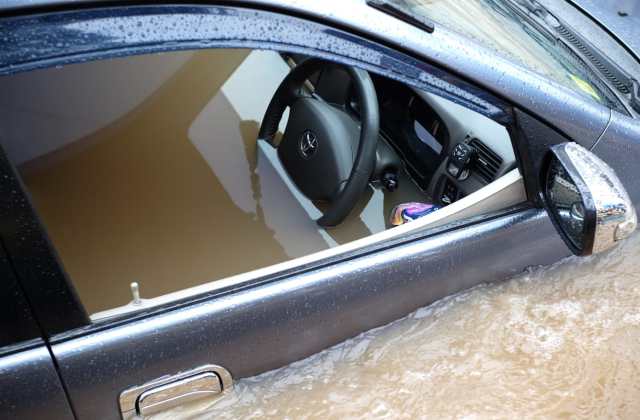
(29, 383)
(156, 357)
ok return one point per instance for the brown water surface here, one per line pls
(559, 342)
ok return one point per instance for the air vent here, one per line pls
(487, 163)
(607, 69)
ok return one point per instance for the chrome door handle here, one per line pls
(189, 389)
(209, 381)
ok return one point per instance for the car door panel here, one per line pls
(30, 387)
(270, 325)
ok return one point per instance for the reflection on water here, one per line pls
(557, 342)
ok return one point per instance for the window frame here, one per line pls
(55, 302)
(34, 262)
(18, 327)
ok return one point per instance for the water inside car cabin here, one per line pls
(156, 175)
(556, 342)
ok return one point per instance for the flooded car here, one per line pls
(197, 194)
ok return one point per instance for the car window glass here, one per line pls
(146, 169)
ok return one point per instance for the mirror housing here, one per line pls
(586, 200)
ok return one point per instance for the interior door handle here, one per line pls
(209, 381)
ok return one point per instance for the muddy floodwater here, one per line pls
(556, 342)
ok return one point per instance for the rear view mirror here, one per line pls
(586, 200)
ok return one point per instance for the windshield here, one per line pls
(493, 24)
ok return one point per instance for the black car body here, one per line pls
(55, 362)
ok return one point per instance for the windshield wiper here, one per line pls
(613, 73)
(635, 95)
(402, 12)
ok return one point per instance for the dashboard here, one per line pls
(493, 154)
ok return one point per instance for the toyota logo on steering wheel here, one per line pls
(308, 145)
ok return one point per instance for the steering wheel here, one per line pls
(328, 154)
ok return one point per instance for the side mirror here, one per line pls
(586, 200)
